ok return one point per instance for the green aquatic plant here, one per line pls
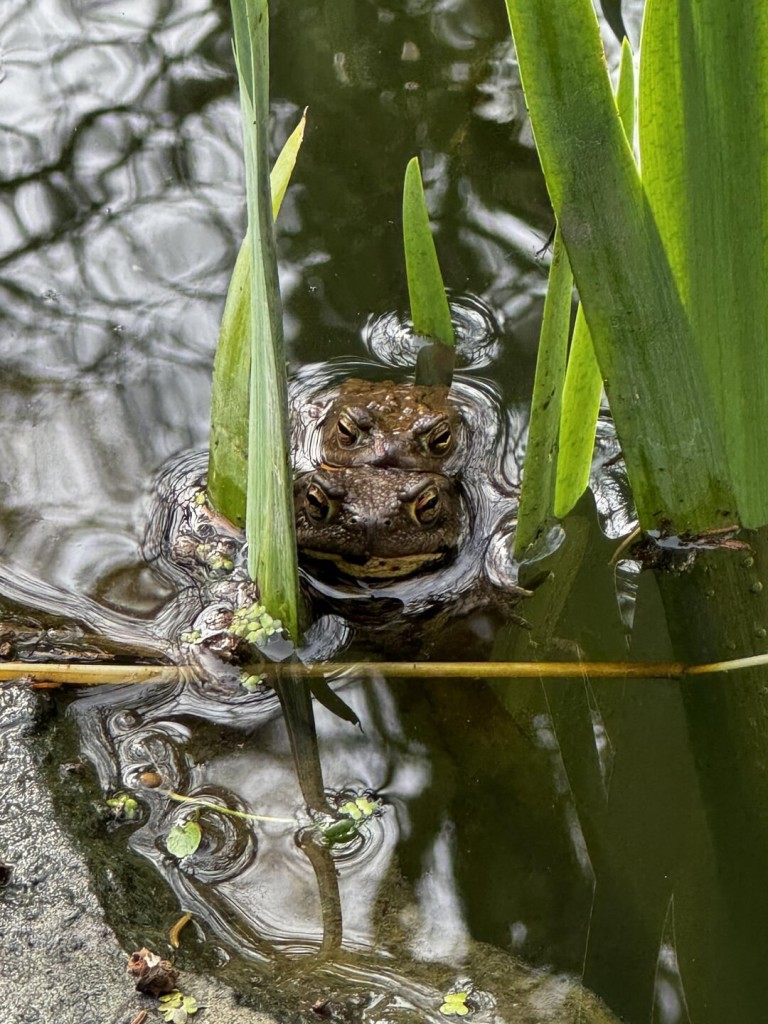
(221, 809)
(254, 624)
(430, 312)
(184, 839)
(253, 324)
(668, 254)
(352, 816)
(251, 681)
(455, 1004)
(567, 385)
(583, 384)
(669, 406)
(123, 807)
(361, 808)
(230, 395)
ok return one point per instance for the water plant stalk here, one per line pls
(51, 674)
(703, 137)
(567, 388)
(270, 532)
(230, 393)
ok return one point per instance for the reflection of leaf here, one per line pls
(323, 693)
(455, 1004)
(339, 832)
(184, 839)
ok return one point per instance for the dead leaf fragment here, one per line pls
(154, 976)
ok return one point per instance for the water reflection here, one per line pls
(397, 892)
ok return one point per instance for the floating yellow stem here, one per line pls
(39, 675)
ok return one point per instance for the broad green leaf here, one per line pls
(184, 839)
(269, 522)
(537, 494)
(703, 132)
(228, 460)
(583, 380)
(430, 312)
(644, 344)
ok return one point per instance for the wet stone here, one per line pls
(61, 961)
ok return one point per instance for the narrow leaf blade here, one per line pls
(269, 506)
(537, 494)
(228, 459)
(430, 312)
(583, 380)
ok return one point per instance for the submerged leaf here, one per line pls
(339, 832)
(325, 695)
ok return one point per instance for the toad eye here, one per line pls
(317, 503)
(440, 438)
(425, 507)
(347, 431)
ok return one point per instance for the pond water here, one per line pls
(542, 823)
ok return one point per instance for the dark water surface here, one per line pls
(544, 820)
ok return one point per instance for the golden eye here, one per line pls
(426, 506)
(317, 503)
(440, 439)
(348, 431)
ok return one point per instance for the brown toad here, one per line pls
(394, 425)
(374, 523)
